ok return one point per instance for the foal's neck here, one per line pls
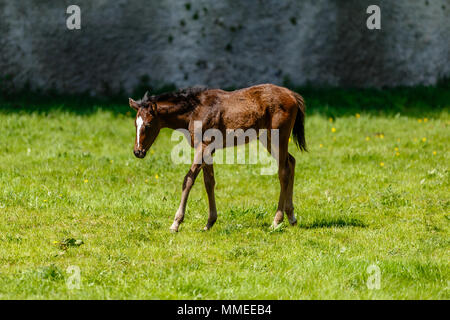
(173, 116)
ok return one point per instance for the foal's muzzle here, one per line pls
(140, 153)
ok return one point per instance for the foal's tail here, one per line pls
(299, 126)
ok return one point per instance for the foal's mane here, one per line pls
(186, 99)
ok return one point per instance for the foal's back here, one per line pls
(260, 106)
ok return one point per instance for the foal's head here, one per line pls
(147, 125)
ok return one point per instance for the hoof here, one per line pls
(208, 226)
(293, 222)
(275, 225)
(174, 228)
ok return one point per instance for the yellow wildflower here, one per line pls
(333, 129)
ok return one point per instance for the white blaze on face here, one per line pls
(139, 123)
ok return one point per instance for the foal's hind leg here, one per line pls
(208, 177)
(284, 175)
(279, 151)
(289, 205)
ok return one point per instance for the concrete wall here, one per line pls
(223, 43)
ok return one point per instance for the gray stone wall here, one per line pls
(223, 43)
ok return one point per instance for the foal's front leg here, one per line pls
(188, 182)
(208, 177)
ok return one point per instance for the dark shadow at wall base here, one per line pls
(327, 101)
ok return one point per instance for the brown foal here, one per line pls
(259, 107)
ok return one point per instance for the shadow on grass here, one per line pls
(331, 102)
(335, 222)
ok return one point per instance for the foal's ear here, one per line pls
(133, 104)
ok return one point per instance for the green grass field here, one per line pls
(373, 190)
